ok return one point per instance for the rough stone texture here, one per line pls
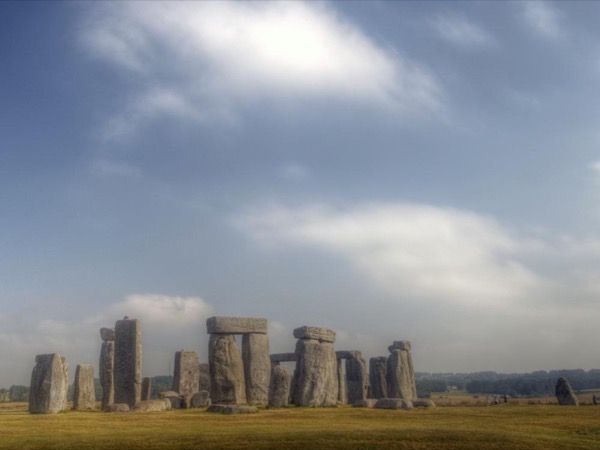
(49, 384)
(146, 388)
(128, 362)
(400, 378)
(174, 398)
(565, 393)
(257, 368)
(400, 345)
(232, 409)
(393, 403)
(423, 403)
(117, 407)
(107, 334)
(227, 383)
(204, 377)
(236, 325)
(84, 396)
(200, 400)
(344, 354)
(186, 378)
(279, 388)
(319, 334)
(365, 403)
(156, 405)
(107, 374)
(315, 378)
(341, 377)
(283, 357)
(356, 378)
(377, 377)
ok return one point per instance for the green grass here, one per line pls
(511, 426)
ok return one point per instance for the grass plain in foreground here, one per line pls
(513, 426)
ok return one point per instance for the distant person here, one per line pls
(496, 400)
(505, 398)
(594, 399)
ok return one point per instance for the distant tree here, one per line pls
(19, 393)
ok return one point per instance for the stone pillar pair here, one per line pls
(279, 388)
(394, 376)
(239, 377)
(352, 377)
(49, 384)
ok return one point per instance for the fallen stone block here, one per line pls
(393, 403)
(232, 409)
(365, 403)
(156, 405)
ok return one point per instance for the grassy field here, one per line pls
(505, 426)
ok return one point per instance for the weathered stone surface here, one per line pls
(236, 325)
(283, 357)
(423, 403)
(128, 362)
(186, 378)
(117, 407)
(400, 345)
(342, 385)
(174, 398)
(227, 383)
(200, 400)
(356, 378)
(232, 409)
(315, 378)
(400, 378)
(156, 405)
(49, 384)
(565, 393)
(146, 388)
(344, 354)
(319, 334)
(393, 403)
(84, 396)
(107, 334)
(377, 377)
(204, 377)
(257, 368)
(365, 403)
(279, 389)
(107, 375)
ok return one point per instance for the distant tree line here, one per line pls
(15, 394)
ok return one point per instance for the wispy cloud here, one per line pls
(459, 31)
(104, 168)
(202, 60)
(543, 18)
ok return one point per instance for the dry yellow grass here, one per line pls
(511, 426)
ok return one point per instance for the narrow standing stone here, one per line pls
(257, 367)
(146, 388)
(128, 362)
(186, 379)
(107, 367)
(377, 377)
(84, 396)
(226, 370)
(565, 393)
(279, 389)
(400, 380)
(356, 376)
(49, 384)
(342, 386)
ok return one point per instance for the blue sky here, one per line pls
(390, 170)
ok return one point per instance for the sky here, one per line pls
(426, 171)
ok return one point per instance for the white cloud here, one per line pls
(458, 30)
(201, 60)
(293, 172)
(543, 18)
(104, 168)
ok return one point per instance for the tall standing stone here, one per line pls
(400, 373)
(226, 370)
(377, 377)
(565, 393)
(342, 386)
(49, 384)
(279, 389)
(107, 366)
(356, 377)
(128, 362)
(315, 378)
(257, 367)
(84, 396)
(146, 388)
(186, 378)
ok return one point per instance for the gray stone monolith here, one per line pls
(227, 383)
(186, 378)
(257, 367)
(377, 377)
(156, 405)
(315, 378)
(279, 389)
(128, 362)
(146, 388)
(356, 378)
(200, 399)
(84, 396)
(400, 373)
(341, 377)
(107, 366)
(565, 393)
(49, 384)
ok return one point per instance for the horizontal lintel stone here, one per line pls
(284, 357)
(236, 325)
(319, 334)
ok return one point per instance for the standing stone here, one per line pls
(49, 384)
(186, 379)
(341, 376)
(107, 366)
(279, 389)
(356, 378)
(315, 378)
(84, 396)
(565, 393)
(226, 370)
(399, 378)
(146, 388)
(257, 367)
(377, 377)
(204, 377)
(128, 362)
